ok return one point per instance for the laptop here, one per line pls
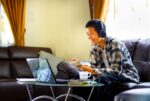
(42, 71)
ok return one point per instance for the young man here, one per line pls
(110, 59)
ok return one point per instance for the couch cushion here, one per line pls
(25, 52)
(10, 90)
(131, 45)
(149, 55)
(4, 53)
(20, 69)
(143, 85)
(125, 86)
(142, 51)
(4, 69)
(142, 94)
(143, 70)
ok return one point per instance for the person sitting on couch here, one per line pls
(109, 58)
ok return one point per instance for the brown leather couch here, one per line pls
(13, 65)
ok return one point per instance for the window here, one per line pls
(128, 19)
(6, 36)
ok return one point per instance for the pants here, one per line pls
(109, 80)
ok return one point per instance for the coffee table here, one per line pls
(53, 97)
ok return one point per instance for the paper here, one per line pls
(25, 79)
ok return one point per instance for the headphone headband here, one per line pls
(101, 29)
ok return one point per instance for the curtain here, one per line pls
(99, 9)
(15, 11)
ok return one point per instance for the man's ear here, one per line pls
(102, 33)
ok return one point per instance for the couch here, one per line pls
(140, 53)
(140, 94)
(13, 65)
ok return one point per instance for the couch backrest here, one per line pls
(13, 60)
(140, 53)
(142, 59)
(131, 46)
(4, 63)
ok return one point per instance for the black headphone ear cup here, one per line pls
(102, 33)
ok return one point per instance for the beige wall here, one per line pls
(58, 24)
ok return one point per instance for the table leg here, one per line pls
(52, 90)
(90, 94)
(28, 90)
(42, 96)
(78, 98)
(69, 89)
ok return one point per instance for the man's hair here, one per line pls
(99, 26)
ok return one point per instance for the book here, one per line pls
(81, 83)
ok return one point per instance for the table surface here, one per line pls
(69, 84)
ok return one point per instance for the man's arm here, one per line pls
(116, 55)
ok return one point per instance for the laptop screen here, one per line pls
(41, 70)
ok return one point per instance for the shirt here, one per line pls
(115, 57)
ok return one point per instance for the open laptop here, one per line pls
(42, 71)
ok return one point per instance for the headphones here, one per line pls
(100, 28)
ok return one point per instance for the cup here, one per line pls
(83, 75)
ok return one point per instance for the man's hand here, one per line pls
(93, 71)
(97, 72)
(109, 70)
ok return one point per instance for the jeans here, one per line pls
(109, 80)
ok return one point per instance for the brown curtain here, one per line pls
(15, 11)
(98, 9)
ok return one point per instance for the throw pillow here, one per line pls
(131, 46)
(143, 70)
(69, 69)
(142, 50)
(53, 60)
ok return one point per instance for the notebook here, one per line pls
(42, 71)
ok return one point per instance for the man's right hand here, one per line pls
(97, 72)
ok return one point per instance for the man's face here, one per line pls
(92, 35)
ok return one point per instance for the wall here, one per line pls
(58, 24)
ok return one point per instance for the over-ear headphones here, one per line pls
(100, 28)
